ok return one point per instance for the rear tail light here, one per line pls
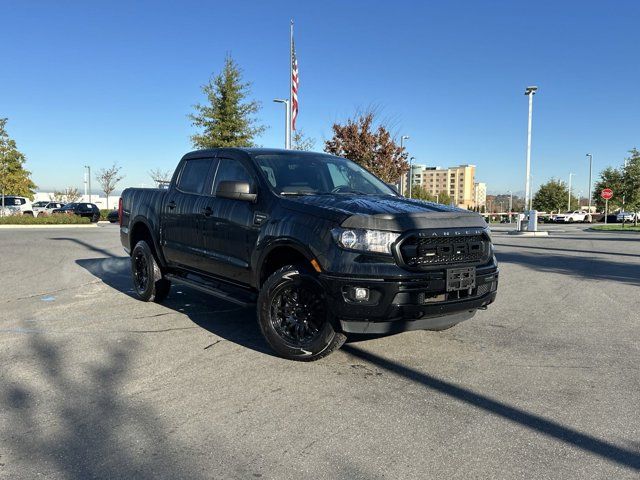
(120, 211)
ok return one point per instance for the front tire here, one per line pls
(294, 316)
(148, 282)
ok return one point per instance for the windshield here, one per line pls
(319, 175)
(40, 204)
(69, 206)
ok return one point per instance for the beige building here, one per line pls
(458, 182)
(480, 195)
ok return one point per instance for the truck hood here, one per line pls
(384, 212)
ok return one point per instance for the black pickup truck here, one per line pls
(322, 246)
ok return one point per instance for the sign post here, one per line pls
(606, 194)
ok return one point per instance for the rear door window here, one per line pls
(194, 175)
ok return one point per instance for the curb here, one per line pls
(542, 233)
(612, 231)
(60, 225)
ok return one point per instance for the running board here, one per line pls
(242, 298)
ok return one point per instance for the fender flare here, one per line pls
(271, 246)
(154, 237)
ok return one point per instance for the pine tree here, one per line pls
(14, 179)
(226, 120)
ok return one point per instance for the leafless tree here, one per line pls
(68, 195)
(161, 177)
(108, 178)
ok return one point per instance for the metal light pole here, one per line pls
(590, 165)
(410, 174)
(402, 178)
(89, 177)
(569, 199)
(287, 119)
(530, 92)
(510, 204)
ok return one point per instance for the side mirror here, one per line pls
(236, 191)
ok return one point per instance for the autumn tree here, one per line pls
(160, 177)
(14, 179)
(369, 144)
(299, 141)
(226, 119)
(108, 178)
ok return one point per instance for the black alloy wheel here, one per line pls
(148, 281)
(294, 315)
(297, 313)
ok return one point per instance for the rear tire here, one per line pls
(294, 317)
(148, 282)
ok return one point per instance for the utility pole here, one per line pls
(510, 204)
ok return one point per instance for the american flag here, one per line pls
(294, 86)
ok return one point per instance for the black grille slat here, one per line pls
(419, 251)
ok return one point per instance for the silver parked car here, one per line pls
(627, 216)
(40, 210)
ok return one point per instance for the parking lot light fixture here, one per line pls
(89, 178)
(403, 176)
(287, 127)
(530, 92)
(590, 165)
(569, 199)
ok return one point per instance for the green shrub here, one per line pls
(104, 212)
(48, 220)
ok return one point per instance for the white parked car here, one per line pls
(627, 216)
(42, 210)
(572, 217)
(14, 205)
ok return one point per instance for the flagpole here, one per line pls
(290, 107)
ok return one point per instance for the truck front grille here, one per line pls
(417, 251)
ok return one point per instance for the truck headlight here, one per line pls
(376, 241)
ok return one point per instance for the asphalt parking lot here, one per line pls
(95, 384)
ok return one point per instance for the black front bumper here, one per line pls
(410, 303)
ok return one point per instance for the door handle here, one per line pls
(171, 205)
(207, 212)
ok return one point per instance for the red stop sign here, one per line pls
(606, 193)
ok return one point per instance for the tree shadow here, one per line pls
(82, 426)
(620, 455)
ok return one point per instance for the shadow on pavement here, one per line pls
(239, 326)
(228, 321)
(587, 267)
(570, 250)
(604, 449)
(82, 426)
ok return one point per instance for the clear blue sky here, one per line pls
(98, 82)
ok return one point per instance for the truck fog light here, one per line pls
(360, 294)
